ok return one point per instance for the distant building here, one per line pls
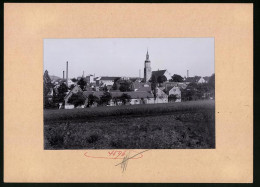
(106, 80)
(196, 79)
(90, 79)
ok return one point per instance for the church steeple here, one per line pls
(147, 55)
(147, 68)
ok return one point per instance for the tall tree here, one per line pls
(105, 98)
(161, 79)
(77, 99)
(47, 85)
(92, 99)
(125, 98)
(82, 83)
(176, 78)
(62, 92)
(125, 86)
(153, 81)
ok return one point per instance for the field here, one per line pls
(186, 125)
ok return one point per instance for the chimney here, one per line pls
(63, 75)
(83, 74)
(67, 74)
(139, 73)
(187, 73)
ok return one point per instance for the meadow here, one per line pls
(185, 125)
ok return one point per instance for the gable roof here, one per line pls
(158, 73)
(71, 91)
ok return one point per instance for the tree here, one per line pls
(82, 83)
(77, 99)
(161, 79)
(92, 99)
(153, 85)
(211, 84)
(72, 86)
(125, 98)
(74, 80)
(212, 81)
(105, 88)
(176, 78)
(105, 98)
(125, 86)
(47, 85)
(116, 100)
(62, 92)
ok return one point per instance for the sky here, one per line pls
(126, 56)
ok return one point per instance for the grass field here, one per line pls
(161, 126)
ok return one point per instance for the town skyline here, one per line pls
(126, 56)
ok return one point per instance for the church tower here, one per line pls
(147, 68)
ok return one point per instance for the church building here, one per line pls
(148, 73)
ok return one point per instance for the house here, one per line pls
(201, 80)
(74, 90)
(137, 97)
(182, 85)
(176, 91)
(206, 79)
(161, 96)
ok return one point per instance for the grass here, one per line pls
(160, 126)
(148, 109)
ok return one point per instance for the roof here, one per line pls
(158, 73)
(140, 86)
(172, 84)
(71, 91)
(192, 79)
(95, 93)
(108, 78)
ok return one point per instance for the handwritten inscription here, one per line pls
(113, 154)
(125, 155)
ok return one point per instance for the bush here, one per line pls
(77, 99)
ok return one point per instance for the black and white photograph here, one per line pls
(129, 93)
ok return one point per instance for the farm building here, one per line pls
(174, 91)
(161, 96)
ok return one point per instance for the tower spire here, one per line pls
(147, 55)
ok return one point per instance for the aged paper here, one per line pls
(25, 27)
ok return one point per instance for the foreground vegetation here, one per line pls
(172, 125)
